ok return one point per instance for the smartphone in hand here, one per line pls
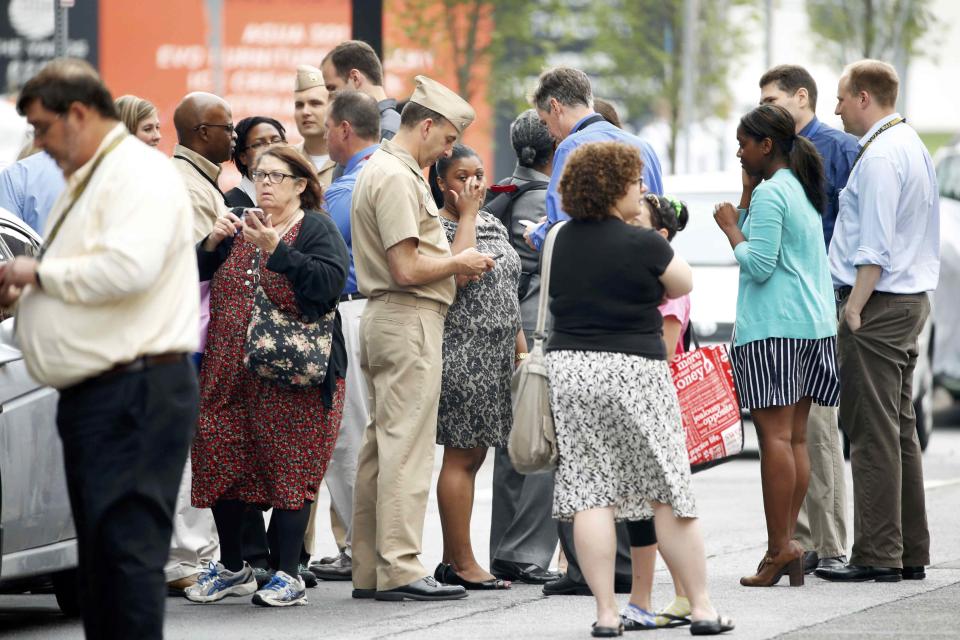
(254, 211)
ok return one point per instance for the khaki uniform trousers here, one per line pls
(876, 410)
(401, 341)
(822, 522)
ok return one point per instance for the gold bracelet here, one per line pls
(521, 356)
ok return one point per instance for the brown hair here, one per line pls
(64, 81)
(596, 175)
(876, 77)
(356, 54)
(608, 111)
(790, 78)
(301, 167)
(133, 110)
(571, 87)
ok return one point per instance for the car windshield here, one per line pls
(702, 243)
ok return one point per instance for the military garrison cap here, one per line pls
(308, 77)
(433, 95)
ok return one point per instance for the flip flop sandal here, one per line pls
(711, 627)
(674, 621)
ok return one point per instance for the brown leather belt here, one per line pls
(143, 363)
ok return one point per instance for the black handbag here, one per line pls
(283, 348)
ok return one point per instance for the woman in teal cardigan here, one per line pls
(784, 350)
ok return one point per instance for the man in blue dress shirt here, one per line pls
(29, 187)
(884, 258)
(353, 132)
(564, 101)
(822, 523)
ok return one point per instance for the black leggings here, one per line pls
(287, 528)
(642, 533)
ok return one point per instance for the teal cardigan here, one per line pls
(785, 286)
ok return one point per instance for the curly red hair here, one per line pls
(596, 175)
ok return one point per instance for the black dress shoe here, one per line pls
(810, 562)
(446, 574)
(567, 586)
(364, 594)
(423, 589)
(914, 573)
(857, 573)
(527, 573)
(832, 563)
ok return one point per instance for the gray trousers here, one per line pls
(876, 410)
(623, 574)
(521, 527)
(822, 522)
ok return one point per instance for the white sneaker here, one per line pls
(216, 583)
(282, 591)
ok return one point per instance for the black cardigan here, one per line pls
(316, 266)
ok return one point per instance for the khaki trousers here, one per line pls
(822, 522)
(400, 353)
(876, 410)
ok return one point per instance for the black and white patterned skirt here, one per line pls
(619, 435)
(776, 372)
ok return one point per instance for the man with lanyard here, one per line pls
(310, 102)
(353, 132)
(205, 139)
(884, 257)
(564, 101)
(354, 65)
(405, 268)
(103, 318)
(822, 522)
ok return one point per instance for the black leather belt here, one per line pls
(143, 363)
(349, 297)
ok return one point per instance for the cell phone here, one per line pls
(529, 223)
(497, 257)
(255, 211)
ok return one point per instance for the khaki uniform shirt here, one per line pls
(206, 198)
(119, 280)
(392, 202)
(324, 173)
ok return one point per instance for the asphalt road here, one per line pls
(732, 519)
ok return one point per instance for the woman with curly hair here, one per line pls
(619, 435)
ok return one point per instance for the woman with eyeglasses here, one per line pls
(254, 134)
(258, 442)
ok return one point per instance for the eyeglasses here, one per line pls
(40, 129)
(262, 144)
(227, 127)
(276, 177)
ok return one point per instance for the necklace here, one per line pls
(281, 231)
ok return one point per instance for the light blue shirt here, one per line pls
(337, 199)
(785, 289)
(596, 132)
(890, 214)
(29, 187)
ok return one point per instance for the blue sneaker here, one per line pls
(282, 591)
(216, 583)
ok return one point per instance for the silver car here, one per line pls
(716, 275)
(37, 537)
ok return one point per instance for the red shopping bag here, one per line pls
(703, 379)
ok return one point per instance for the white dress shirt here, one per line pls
(890, 214)
(119, 280)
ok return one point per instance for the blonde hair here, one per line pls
(133, 110)
(876, 77)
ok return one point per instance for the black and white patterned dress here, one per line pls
(479, 342)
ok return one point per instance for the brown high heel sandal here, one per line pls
(772, 568)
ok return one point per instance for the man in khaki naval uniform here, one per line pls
(405, 269)
(310, 102)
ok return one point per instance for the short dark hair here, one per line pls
(62, 82)
(243, 128)
(360, 110)
(876, 77)
(790, 78)
(569, 86)
(595, 176)
(301, 167)
(356, 54)
(413, 114)
(608, 111)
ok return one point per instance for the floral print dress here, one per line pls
(257, 442)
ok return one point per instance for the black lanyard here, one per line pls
(892, 123)
(589, 121)
(205, 176)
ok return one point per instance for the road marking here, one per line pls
(937, 484)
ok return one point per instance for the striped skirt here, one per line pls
(776, 372)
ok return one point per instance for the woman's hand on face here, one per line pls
(261, 234)
(225, 227)
(469, 201)
(726, 215)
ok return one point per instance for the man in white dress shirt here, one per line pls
(108, 315)
(884, 257)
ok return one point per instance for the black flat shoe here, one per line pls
(566, 586)
(446, 574)
(363, 594)
(526, 573)
(711, 627)
(606, 632)
(423, 589)
(857, 573)
(914, 573)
